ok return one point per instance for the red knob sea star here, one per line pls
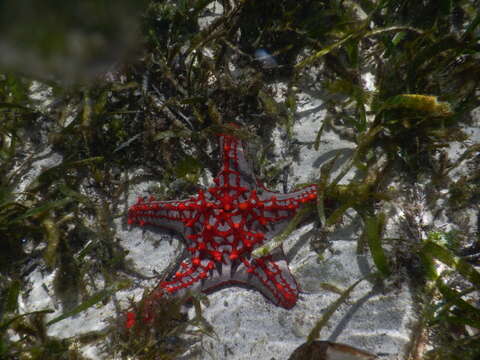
(222, 225)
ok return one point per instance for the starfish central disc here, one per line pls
(222, 225)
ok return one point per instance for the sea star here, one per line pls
(222, 225)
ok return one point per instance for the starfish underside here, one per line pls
(222, 225)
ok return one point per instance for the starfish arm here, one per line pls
(278, 209)
(177, 215)
(271, 276)
(196, 276)
(190, 275)
(236, 170)
(306, 194)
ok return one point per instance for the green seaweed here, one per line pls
(315, 332)
(94, 299)
(373, 229)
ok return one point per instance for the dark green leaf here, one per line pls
(315, 332)
(438, 252)
(94, 299)
(42, 210)
(374, 228)
(11, 301)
